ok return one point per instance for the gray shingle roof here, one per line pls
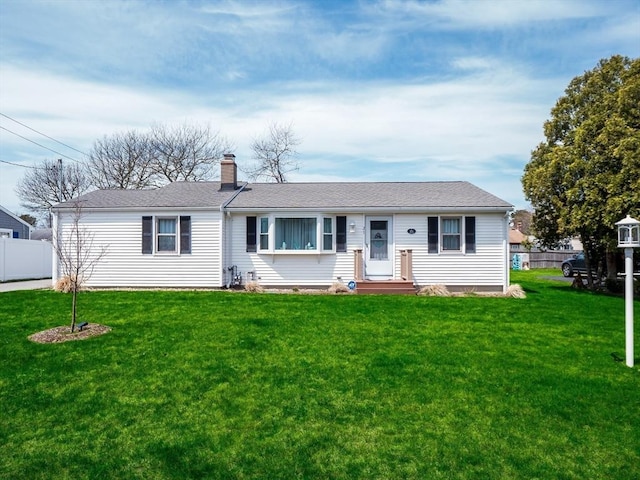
(176, 194)
(265, 196)
(365, 195)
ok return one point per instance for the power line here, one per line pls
(19, 165)
(40, 133)
(36, 143)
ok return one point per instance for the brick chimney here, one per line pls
(228, 172)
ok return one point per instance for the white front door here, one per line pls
(378, 262)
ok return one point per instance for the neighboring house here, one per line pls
(573, 244)
(215, 234)
(20, 257)
(516, 237)
(12, 226)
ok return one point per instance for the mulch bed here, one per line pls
(63, 334)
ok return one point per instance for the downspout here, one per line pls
(505, 246)
(227, 219)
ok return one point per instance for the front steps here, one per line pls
(399, 287)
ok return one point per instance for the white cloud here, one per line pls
(450, 126)
(461, 14)
(430, 89)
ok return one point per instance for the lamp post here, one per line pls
(628, 238)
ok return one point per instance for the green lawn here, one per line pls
(267, 386)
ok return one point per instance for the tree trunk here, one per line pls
(587, 264)
(612, 267)
(73, 307)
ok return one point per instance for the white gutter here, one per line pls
(439, 210)
(507, 253)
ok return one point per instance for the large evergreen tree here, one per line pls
(586, 175)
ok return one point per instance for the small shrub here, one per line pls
(614, 286)
(618, 285)
(64, 285)
(578, 282)
(434, 291)
(253, 287)
(516, 291)
(338, 287)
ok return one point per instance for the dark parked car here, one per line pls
(574, 265)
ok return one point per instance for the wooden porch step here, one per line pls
(400, 287)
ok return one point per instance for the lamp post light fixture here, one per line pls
(628, 238)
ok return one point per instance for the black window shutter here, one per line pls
(185, 234)
(432, 228)
(251, 234)
(147, 235)
(470, 234)
(341, 234)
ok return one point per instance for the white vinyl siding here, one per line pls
(484, 268)
(124, 264)
(301, 268)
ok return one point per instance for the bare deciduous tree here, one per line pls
(186, 152)
(77, 255)
(47, 184)
(122, 161)
(164, 154)
(275, 154)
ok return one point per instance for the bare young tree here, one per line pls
(275, 154)
(122, 161)
(77, 255)
(186, 152)
(49, 183)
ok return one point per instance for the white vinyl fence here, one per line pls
(24, 259)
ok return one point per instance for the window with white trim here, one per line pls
(264, 233)
(327, 233)
(446, 234)
(451, 234)
(166, 235)
(296, 233)
(287, 234)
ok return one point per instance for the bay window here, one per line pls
(297, 234)
(264, 233)
(327, 233)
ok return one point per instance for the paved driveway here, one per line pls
(26, 285)
(559, 278)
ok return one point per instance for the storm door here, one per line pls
(379, 248)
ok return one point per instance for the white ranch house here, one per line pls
(218, 234)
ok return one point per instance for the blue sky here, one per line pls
(377, 90)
